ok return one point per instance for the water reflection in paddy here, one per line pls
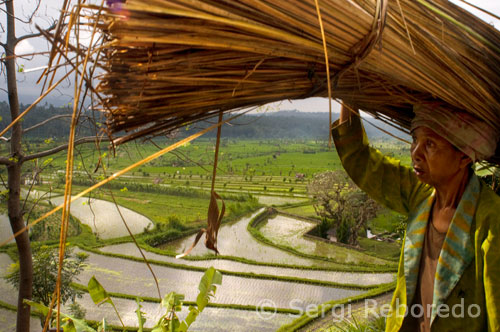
(210, 320)
(5, 228)
(235, 240)
(103, 217)
(290, 232)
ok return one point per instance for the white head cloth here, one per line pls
(467, 133)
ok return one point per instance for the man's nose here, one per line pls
(416, 151)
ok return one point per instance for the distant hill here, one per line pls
(272, 125)
(56, 129)
(290, 124)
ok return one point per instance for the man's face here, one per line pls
(435, 160)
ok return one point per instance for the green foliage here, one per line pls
(353, 325)
(58, 128)
(100, 296)
(141, 320)
(45, 268)
(207, 287)
(386, 221)
(241, 208)
(97, 292)
(68, 323)
(323, 227)
(337, 198)
(77, 310)
(172, 303)
(49, 228)
(381, 249)
(174, 223)
(157, 239)
(401, 227)
(344, 231)
(491, 177)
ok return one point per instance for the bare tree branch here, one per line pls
(42, 154)
(33, 12)
(29, 18)
(55, 117)
(6, 161)
(3, 181)
(38, 34)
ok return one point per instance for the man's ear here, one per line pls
(465, 161)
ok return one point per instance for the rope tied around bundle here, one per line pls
(358, 51)
(365, 46)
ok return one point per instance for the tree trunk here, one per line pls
(14, 180)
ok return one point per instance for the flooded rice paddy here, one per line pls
(5, 229)
(210, 320)
(9, 294)
(228, 265)
(235, 240)
(133, 278)
(290, 232)
(120, 275)
(104, 218)
(279, 200)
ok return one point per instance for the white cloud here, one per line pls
(24, 47)
(487, 5)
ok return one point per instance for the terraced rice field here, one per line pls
(5, 229)
(9, 295)
(118, 275)
(228, 265)
(278, 200)
(235, 240)
(103, 217)
(210, 320)
(290, 232)
(129, 277)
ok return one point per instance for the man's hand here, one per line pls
(346, 113)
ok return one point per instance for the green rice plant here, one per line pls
(352, 325)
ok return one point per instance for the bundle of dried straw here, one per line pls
(173, 62)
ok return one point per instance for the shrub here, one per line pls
(45, 269)
(157, 239)
(174, 222)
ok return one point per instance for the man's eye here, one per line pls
(430, 143)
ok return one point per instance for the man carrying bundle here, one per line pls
(449, 269)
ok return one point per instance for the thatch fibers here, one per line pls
(173, 62)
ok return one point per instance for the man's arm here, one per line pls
(383, 178)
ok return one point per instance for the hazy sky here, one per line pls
(49, 8)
